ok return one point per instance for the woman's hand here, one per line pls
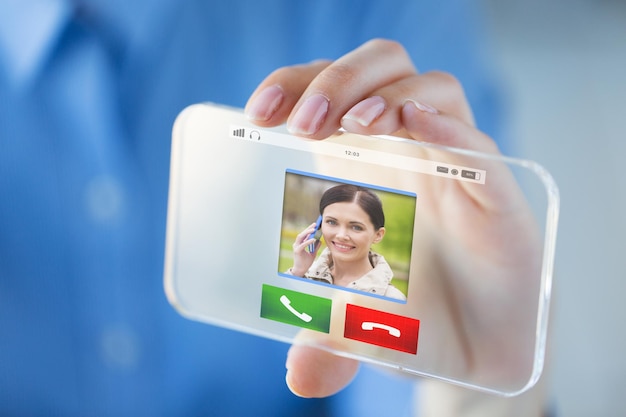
(302, 258)
(376, 89)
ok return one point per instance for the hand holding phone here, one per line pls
(479, 298)
(305, 248)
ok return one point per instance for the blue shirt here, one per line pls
(88, 93)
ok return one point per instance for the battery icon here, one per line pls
(472, 175)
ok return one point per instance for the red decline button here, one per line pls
(381, 329)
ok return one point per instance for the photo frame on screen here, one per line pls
(343, 237)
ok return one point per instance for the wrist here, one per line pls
(295, 272)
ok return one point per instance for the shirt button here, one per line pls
(120, 347)
(104, 198)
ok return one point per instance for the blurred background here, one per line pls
(563, 67)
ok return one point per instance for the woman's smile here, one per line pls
(342, 247)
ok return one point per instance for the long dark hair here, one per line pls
(365, 198)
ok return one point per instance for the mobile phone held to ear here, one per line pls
(317, 234)
(449, 252)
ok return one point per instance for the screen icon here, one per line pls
(302, 316)
(473, 175)
(370, 325)
(255, 135)
(296, 308)
(381, 328)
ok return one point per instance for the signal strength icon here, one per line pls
(241, 133)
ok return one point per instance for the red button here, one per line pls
(381, 329)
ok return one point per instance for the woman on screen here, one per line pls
(352, 219)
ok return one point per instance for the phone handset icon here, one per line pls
(369, 325)
(287, 303)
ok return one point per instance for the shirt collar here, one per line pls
(28, 31)
(134, 22)
(377, 280)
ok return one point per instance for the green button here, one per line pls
(296, 308)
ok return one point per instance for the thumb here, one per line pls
(315, 373)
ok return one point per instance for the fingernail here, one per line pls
(365, 112)
(422, 107)
(265, 104)
(310, 116)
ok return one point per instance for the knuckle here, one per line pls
(449, 82)
(285, 72)
(387, 45)
(453, 95)
(338, 74)
(299, 71)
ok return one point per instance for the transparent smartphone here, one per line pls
(458, 288)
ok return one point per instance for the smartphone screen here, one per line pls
(415, 261)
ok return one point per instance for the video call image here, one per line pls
(350, 235)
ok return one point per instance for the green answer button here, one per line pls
(296, 308)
